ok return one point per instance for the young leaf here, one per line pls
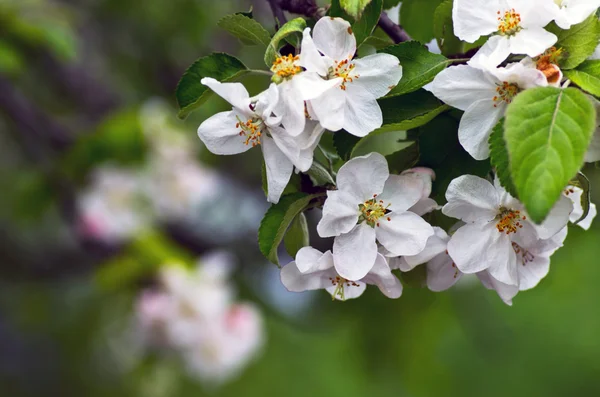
(579, 42)
(363, 27)
(248, 30)
(354, 8)
(382, 142)
(297, 235)
(419, 66)
(320, 176)
(583, 182)
(499, 158)
(586, 76)
(409, 111)
(443, 30)
(291, 27)
(405, 158)
(416, 18)
(547, 131)
(277, 220)
(344, 143)
(191, 94)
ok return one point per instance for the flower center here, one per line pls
(286, 66)
(344, 70)
(509, 221)
(509, 23)
(372, 210)
(251, 130)
(546, 63)
(526, 256)
(505, 92)
(340, 283)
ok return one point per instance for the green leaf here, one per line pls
(419, 66)
(277, 220)
(291, 27)
(191, 94)
(344, 143)
(547, 131)
(586, 76)
(583, 182)
(382, 142)
(579, 42)
(409, 111)
(405, 158)
(416, 18)
(297, 235)
(443, 30)
(354, 8)
(363, 28)
(320, 176)
(249, 31)
(499, 158)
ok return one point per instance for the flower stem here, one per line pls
(263, 72)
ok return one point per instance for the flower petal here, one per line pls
(279, 169)
(381, 276)
(302, 159)
(350, 291)
(340, 214)
(378, 73)
(475, 18)
(476, 127)
(234, 93)
(435, 246)
(471, 198)
(334, 38)
(404, 234)
(310, 85)
(504, 291)
(586, 223)
(220, 134)
(310, 58)
(329, 109)
(363, 176)
(442, 273)
(532, 41)
(309, 260)
(402, 192)
(424, 206)
(362, 115)
(296, 281)
(492, 53)
(290, 108)
(556, 219)
(354, 253)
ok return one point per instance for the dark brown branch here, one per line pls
(278, 13)
(393, 30)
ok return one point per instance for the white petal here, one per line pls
(290, 108)
(532, 41)
(279, 169)
(461, 86)
(401, 192)
(556, 219)
(522, 75)
(234, 93)
(350, 291)
(427, 175)
(381, 276)
(400, 263)
(334, 38)
(586, 223)
(476, 127)
(309, 260)
(478, 246)
(531, 273)
(504, 268)
(361, 115)
(340, 214)
(309, 138)
(266, 103)
(329, 109)
(442, 273)
(220, 134)
(436, 245)
(424, 206)
(296, 281)
(354, 253)
(475, 18)
(302, 159)
(576, 12)
(535, 13)
(471, 198)
(404, 234)
(363, 176)
(378, 73)
(310, 85)
(492, 54)
(310, 58)
(504, 291)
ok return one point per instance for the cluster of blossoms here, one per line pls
(376, 219)
(193, 313)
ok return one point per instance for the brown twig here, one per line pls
(278, 13)
(392, 29)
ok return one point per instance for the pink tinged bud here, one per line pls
(427, 175)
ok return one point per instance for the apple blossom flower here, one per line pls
(574, 193)
(484, 96)
(313, 270)
(371, 205)
(533, 264)
(547, 63)
(251, 123)
(516, 27)
(426, 204)
(351, 86)
(572, 12)
(494, 221)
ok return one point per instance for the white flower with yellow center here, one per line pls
(516, 26)
(371, 205)
(532, 265)
(494, 221)
(251, 123)
(572, 12)
(574, 193)
(483, 95)
(349, 86)
(314, 270)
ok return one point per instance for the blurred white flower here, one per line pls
(574, 193)
(572, 12)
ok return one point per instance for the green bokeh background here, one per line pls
(88, 65)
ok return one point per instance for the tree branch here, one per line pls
(393, 30)
(276, 7)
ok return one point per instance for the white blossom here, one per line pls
(314, 270)
(515, 26)
(349, 86)
(371, 205)
(251, 123)
(494, 222)
(483, 95)
(572, 12)
(574, 193)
